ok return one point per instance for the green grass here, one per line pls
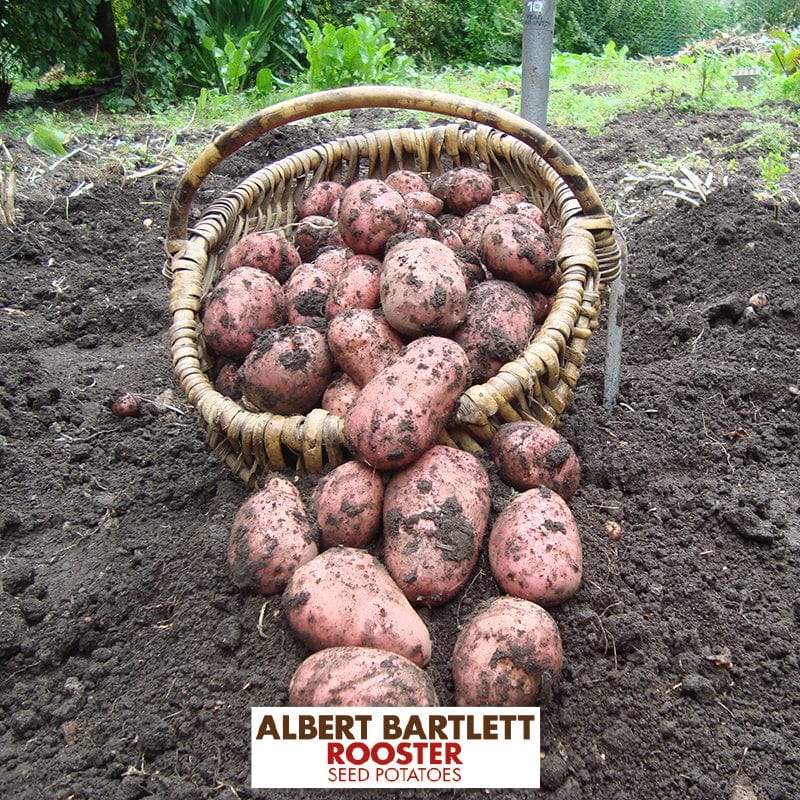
(586, 93)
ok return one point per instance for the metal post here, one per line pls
(537, 48)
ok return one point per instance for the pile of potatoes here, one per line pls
(393, 297)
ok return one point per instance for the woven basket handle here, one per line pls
(332, 100)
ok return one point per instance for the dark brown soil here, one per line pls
(129, 660)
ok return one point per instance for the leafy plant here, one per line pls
(47, 140)
(772, 168)
(237, 42)
(350, 55)
(785, 53)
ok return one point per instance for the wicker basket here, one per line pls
(537, 385)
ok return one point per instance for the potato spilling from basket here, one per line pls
(386, 302)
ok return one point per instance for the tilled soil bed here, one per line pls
(129, 661)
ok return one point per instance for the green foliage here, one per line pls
(709, 69)
(785, 52)
(772, 168)
(237, 42)
(356, 54)
(48, 140)
(755, 15)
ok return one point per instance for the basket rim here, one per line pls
(394, 97)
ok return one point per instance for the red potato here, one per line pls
(528, 454)
(369, 213)
(405, 181)
(435, 517)
(472, 268)
(306, 292)
(340, 395)
(362, 342)
(312, 234)
(360, 676)
(555, 234)
(271, 536)
(535, 550)
(347, 502)
(515, 249)
(449, 236)
(318, 199)
(531, 212)
(287, 370)
(269, 251)
(344, 597)
(508, 654)
(541, 304)
(227, 380)
(419, 222)
(357, 286)
(462, 189)
(424, 201)
(403, 410)
(333, 259)
(422, 288)
(506, 199)
(125, 404)
(472, 224)
(244, 303)
(497, 327)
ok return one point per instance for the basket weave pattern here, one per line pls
(539, 384)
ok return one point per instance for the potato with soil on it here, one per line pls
(313, 234)
(435, 516)
(307, 291)
(287, 370)
(357, 286)
(345, 596)
(340, 395)
(534, 548)
(517, 250)
(271, 536)
(497, 327)
(472, 225)
(462, 189)
(508, 654)
(422, 288)
(318, 199)
(405, 181)
(528, 454)
(362, 342)
(244, 303)
(360, 676)
(403, 410)
(347, 503)
(269, 251)
(425, 202)
(370, 212)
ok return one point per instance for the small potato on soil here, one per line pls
(125, 404)
(345, 596)
(287, 370)
(360, 676)
(534, 548)
(348, 502)
(506, 654)
(270, 537)
(528, 454)
(435, 516)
